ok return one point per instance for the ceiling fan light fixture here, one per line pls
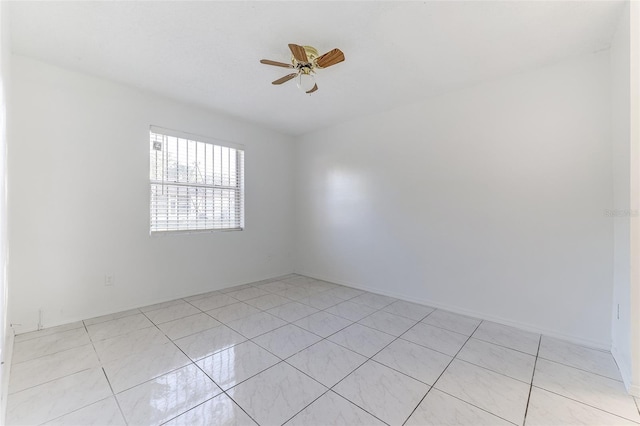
(305, 81)
(305, 60)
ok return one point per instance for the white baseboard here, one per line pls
(603, 346)
(625, 370)
(26, 328)
(6, 373)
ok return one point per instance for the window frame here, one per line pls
(203, 139)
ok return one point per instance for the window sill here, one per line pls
(161, 234)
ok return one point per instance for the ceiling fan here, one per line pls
(305, 60)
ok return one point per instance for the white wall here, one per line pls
(6, 334)
(634, 108)
(488, 201)
(79, 200)
(620, 137)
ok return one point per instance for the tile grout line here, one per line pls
(441, 373)
(370, 358)
(581, 369)
(80, 371)
(535, 363)
(214, 382)
(585, 404)
(113, 394)
(194, 363)
(302, 372)
(381, 309)
(455, 357)
(330, 389)
(48, 334)
(284, 360)
(91, 341)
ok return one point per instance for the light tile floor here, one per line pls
(305, 352)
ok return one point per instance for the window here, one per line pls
(195, 184)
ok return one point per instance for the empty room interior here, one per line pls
(320, 213)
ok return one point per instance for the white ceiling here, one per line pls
(207, 53)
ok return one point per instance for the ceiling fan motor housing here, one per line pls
(307, 68)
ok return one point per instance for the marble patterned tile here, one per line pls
(324, 285)
(286, 341)
(248, 293)
(493, 392)
(592, 360)
(388, 323)
(277, 394)
(219, 411)
(316, 287)
(439, 339)
(208, 342)
(440, 409)
(509, 362)
(332, 409)
(50, 367)
(127, 372)
(327, 362)
(101, 413)
(389, 395)
(188, 325)
(363, 340)
(510, 337)
(256, 324)
(549, 409)
(592, 389)
(47, 331)
(49, 344)
(234, 365)
(214, 301)
(171, 313)
(296, 293)
(53, 399)
(167, 396)
(322, 323)
(167, 304)
(453, 322)
(345, 293)
(129, 344)
(299, 280)
(409, 310)
(117, 327)
(373, 300)
(321, 300)
(268, 301)
(292, 311)
(109, 317)
(233, 312)
(414, 360)
(351, 311)
(275, 286)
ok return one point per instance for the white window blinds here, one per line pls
(195, 185)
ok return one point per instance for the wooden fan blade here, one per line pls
(330, 58)
(285, 78)
(298, 53)
(315, 87)
(277, 64)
